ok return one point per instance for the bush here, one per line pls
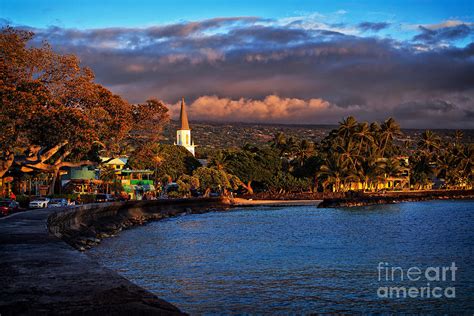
(88, 198)
(174, 195)
(24, 200)
(70, 196)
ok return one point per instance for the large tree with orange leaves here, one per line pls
(53, 114)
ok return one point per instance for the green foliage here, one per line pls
(70, 196)
(252, 164)
(183, 188)
(87, 198)
(174, 195)
(191, 181)
(212, 179)
(164, 159)
(285, 182)
(359, 152)
(186, 183)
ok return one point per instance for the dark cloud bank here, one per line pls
(250, 69)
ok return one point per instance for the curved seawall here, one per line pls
(41, 274)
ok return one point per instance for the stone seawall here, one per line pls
(40, 274)
(362, 199)
(86, 225)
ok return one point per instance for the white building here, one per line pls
(183, 135)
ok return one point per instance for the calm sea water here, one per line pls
(302, 259)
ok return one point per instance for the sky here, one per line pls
(308, 62)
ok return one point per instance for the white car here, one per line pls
(41, 202)
(58, 203)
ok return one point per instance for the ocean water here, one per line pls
(305, 259)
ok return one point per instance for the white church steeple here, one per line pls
(183, 134)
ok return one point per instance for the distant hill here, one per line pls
(213, 135)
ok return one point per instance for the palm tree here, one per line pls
(375, 131)
(390, 130)
(392, 167)
(331, 172)
(291, 147)
(107, 175)
(369, 172)
(364, 134)
(347, 127)
(347, 153)
(446, 167)
(279, 140)
(429, 142)
(420, 169)
(458, 136)
(304, 150)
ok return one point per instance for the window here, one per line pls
(187, 139)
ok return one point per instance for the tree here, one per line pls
(364, 135)
(149, 119)
(108, 175)
(279, 142)
(213, 179)
(421, 170)
(332, 172)
(390, 130)
(252, 164)
(165, 159)
(347, 127)
(217, 160)
(458, 136)
(187, 183)
(429, 142)
(52, 113)
(370, 172)
(304, 150)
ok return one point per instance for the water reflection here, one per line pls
(298, 259)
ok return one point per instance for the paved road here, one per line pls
(40, 274)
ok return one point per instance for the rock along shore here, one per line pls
(362, 199)
(40, 274)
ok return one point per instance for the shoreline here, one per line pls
(241, 202)
(42, 271)
(364, 199)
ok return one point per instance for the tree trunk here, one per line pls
(53, 181)
(248, 187)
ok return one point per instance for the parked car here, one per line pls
(104, 198)
(39, 202)
(8, 207)
(58, 203)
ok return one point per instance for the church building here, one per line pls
(183, 134)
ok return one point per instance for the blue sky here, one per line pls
(97, 14)
(273, 61)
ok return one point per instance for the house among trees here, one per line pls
(115, 163)
(112, 176)
(183, 134)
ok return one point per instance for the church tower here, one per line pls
(183, 134)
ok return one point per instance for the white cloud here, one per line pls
(270, 109)
(436, 26)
